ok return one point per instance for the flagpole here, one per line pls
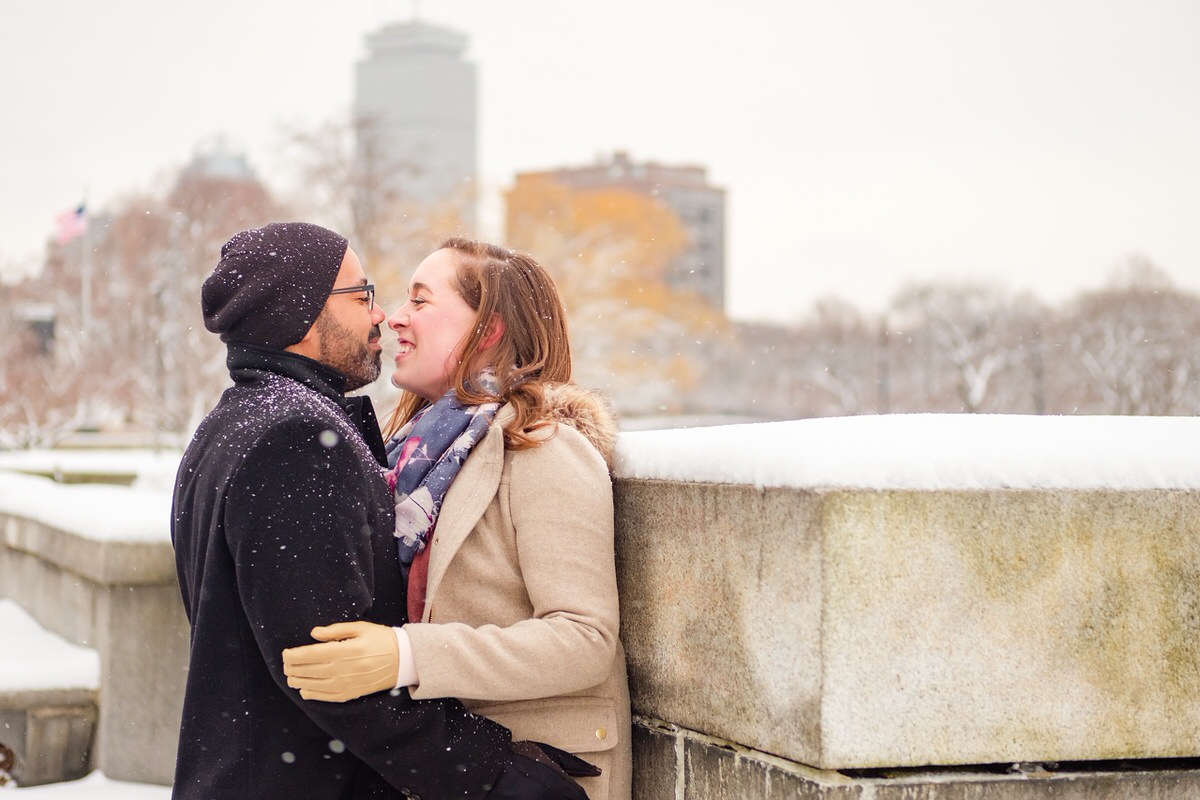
(85, 265)
(73, 226)
(85, 270)
(85, 279)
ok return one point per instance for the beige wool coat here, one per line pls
(522, 592)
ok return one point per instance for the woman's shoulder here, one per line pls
(578, 417)
(586, 412)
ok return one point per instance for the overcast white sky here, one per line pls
(1034, 143)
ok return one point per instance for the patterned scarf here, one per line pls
(426, 455)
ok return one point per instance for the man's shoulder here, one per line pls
(248, 414)
(275, 400)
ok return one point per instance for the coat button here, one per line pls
(601, 733)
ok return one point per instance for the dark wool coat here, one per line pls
(282, 521)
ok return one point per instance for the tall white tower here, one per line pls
(415, 97)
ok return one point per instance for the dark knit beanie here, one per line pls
(271, 283)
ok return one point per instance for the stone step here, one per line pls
(48, 701)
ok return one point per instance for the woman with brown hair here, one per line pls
(504, 521)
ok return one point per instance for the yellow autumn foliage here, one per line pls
(609, 251)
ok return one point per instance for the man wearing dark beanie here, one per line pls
(282, 521)
(271, 283)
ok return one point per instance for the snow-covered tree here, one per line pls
(975, 332)
(1134, 343)
(344, 180)
(842, 359)
(129, 346)
(38, 402)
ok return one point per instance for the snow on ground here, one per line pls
(47, 661)
(94, 787)
(153, 468)
(50, 662)
(95, 511)
(925, 451)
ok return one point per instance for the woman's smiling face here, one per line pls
(431, 327)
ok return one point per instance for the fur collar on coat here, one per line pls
(586, 411)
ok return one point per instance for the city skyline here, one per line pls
(862, 145)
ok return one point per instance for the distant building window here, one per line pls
(39, 319)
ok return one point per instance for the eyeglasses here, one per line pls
(369, 288)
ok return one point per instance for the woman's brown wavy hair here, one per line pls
(532, 351)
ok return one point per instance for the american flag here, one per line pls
(71, 224)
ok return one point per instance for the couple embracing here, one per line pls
(457, 575)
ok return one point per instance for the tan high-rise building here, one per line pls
(685, 190)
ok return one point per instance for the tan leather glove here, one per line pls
(354, 659)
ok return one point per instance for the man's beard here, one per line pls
(352, 358)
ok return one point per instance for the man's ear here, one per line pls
(495, 330)
(309, 346)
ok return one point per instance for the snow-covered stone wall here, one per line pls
(93, 564)
(925, 451)
(811, 597)
(902, 592)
